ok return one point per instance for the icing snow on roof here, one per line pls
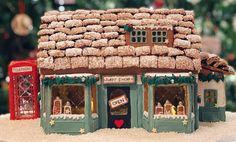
(97, 40)
(213, 63)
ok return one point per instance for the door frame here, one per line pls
(102, 103)
(127, 117)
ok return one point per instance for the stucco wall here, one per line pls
(219, 86)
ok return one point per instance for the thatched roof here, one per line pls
(213, 63)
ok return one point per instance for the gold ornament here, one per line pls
(52, 122)
(82, 130)
(21, 24)
(154, 130)
(185, 122)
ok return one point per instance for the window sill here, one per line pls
(67, 116)
(170, 116)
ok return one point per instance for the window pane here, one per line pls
(133, 39)
(68, 99)
(164, 33)
(154, 39)
(133, 33)
(123, 109)
(138, 39)
(210, 97)
(170, 97)
(159, 39)
(144, 39)
(154, 33)
(159, 33)
(138, 33)
(164, 39)
(143, 33)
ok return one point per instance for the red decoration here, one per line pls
(119, 123)
(158, 3)
(21, 6)
(230, 57)
(23, 91)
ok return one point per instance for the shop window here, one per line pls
(170, 100)
(138, 36)
(93, 99)
(145, 96)
(159, 37)
(68, 99)
(210, 97)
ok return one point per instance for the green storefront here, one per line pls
(155, 102)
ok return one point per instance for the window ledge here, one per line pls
(66, 116)
(170, 116)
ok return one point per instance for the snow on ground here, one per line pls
(30, 131)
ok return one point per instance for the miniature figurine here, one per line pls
(180, 109)
(57, 106)
(173, 110)
(167, 107)
(159, 108)
(67, 108)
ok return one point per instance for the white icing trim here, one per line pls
(168, 74)
(145, 113)
(94, 115)
(66, 116)
(192, 115)
(158, 116)
(153, 27)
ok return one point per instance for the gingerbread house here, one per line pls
(211, 87)
(119, 68)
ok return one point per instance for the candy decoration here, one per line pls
(119, 123)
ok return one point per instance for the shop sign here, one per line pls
(119, 101)
(118, 79)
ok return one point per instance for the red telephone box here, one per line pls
(24, 84)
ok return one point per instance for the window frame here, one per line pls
(94, 98)
(145, 97)
(186, 95)
(137, 36)
(215, 96)
(169, 37)
(156, 36)
(80, 85)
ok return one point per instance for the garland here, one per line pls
(211, 76)
(157, 80)
(128, 28)
(88, 80)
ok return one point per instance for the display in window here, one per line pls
(67, 108)
(57, 106)
(167, 107)
(72, 99)
(159, 108)
(170, 100)
(138, 36)
(180, 109)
